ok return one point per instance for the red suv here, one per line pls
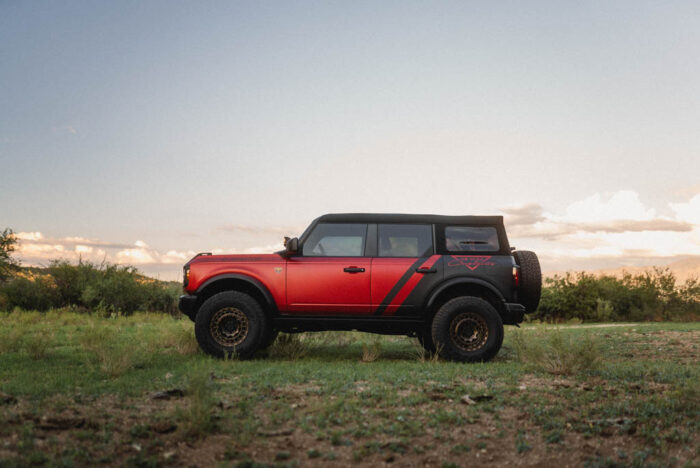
(451, 281)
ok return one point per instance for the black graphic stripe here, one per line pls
(399, 284)
(419, 293)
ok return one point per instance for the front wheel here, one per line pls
(230, 323)
(467, 329)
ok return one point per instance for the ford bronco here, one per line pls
(450, 281)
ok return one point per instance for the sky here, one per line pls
(143, 132)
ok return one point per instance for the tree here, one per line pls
(8, 265)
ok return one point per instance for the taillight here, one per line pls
(516, 275)
(186, 275)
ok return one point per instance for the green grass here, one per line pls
(346, 397)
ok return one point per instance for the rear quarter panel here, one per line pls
(497, 270)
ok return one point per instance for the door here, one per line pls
(332, 274)
(405, 270)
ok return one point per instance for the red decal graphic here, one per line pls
(471, 261)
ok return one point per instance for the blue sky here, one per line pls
(144, 131)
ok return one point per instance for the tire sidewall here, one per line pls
(530, 289)
(449, 311)
(247, 305)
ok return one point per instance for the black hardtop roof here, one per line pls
(408, 218)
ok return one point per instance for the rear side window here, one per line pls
(336, 240)
(405, 240)
(471, 239)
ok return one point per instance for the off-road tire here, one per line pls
(530, 288)
(467, 329)
(222, 313)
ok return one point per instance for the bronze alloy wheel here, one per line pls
(469, 331)
(229, 326)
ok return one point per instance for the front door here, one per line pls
(332, 274)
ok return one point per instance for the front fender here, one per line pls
(237, 276)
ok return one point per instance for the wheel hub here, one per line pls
(229, 326)
(469, 331)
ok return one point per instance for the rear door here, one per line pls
(332, 274)
(405, 268)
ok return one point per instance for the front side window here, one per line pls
(471, 239)
(405, 240)
(336, 240)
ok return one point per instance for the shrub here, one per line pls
(653, 295)
(107, 288)
(30, 293)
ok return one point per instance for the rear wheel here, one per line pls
(467, 329)
(230, 323)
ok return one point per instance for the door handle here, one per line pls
(426, 270)
(353, 270)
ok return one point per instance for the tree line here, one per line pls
(122, 289)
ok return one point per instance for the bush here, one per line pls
(30, 293)
(653, 295)
(106, 288)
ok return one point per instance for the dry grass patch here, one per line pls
(371, 352)
(111, 352)
(557, 353)
(288, 346)
(179, 338)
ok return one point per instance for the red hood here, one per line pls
(240, 258)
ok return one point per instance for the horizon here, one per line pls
(144, 133)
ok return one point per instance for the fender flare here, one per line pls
(452, 282)
(252, 281)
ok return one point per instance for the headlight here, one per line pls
(186, 275)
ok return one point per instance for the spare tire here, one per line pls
(530, 288)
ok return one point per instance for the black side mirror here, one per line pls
(291, 246)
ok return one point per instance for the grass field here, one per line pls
(80, 390)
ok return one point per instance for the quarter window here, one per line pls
(405, 240)
(471, 239)
(336, 240)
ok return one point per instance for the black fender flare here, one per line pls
(252, 281)
(455, 281)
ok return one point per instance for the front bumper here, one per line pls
(188, 306)
(513, 314)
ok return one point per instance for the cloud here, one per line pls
(36, 249)
(689, 211)
(619, 212)
(622, 205)
(631, 225)
(524, 215)
(603, 228)
(65, 129)
(39, 238)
